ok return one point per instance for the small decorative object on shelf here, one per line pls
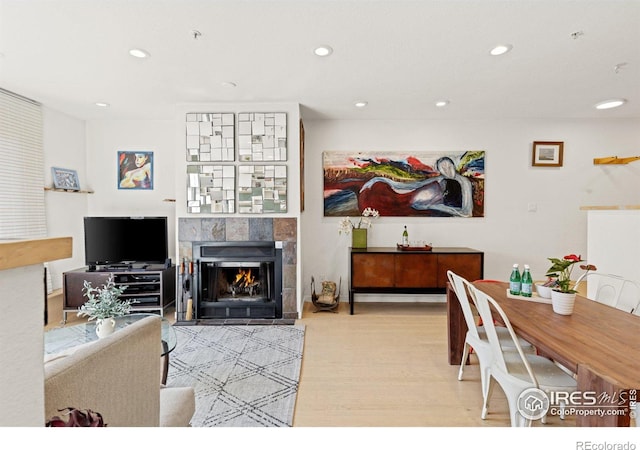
(405, 237)
(359, 230)
(65, 179)
(104, 304)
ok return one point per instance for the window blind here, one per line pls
(22, 209)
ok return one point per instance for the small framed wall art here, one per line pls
(135, 169)
(547, 154)
(66, 179)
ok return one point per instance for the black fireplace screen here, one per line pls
(229, 281)
(238, 280)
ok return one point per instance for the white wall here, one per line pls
(104, 139)
(64, 146)
(508, 233)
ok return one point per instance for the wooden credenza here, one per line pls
(390, 270)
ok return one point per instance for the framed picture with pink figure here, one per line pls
(135, 169)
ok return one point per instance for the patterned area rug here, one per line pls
(243, 376)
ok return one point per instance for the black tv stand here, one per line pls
(153, 289)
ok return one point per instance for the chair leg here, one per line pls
(485, 377)
(517, 419)
(487, 395)
(465, 356)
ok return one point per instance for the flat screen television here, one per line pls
(125, 240)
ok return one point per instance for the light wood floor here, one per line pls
(385, 366)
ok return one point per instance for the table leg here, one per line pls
(456, 327)
(165, 363)
(350, 302)
(611, 395)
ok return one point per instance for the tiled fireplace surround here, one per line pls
(192, 230)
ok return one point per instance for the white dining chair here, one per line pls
(612, 290)
(476, 337)
(516, 371)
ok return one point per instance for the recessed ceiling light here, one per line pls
(613, 103)
(228, 84)
(360, 104)
(323, 50)
(501, 49)
(102, 104)
(139, 53)
(442, 103)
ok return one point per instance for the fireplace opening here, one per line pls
(238, 280)
(243, 282)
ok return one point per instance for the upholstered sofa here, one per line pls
(119, 377)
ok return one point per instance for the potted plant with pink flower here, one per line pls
(563, 294)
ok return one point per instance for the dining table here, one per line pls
(598, 343)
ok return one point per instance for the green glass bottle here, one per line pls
(526, 287)
(515, 281)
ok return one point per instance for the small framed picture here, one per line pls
(66, 179)
(135, 169)
(547, 154)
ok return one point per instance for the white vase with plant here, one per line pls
(104, 305)
(563, 295)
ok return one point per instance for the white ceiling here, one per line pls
(400, 56)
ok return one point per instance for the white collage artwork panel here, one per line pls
(262, 189)
(210, 137)
(211, 189)
(262, 136)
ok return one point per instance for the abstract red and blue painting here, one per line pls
(447, 184)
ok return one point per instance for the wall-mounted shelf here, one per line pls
(615, 160)
(67, 190)
(605, 208)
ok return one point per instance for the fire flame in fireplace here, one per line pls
(244, 278)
